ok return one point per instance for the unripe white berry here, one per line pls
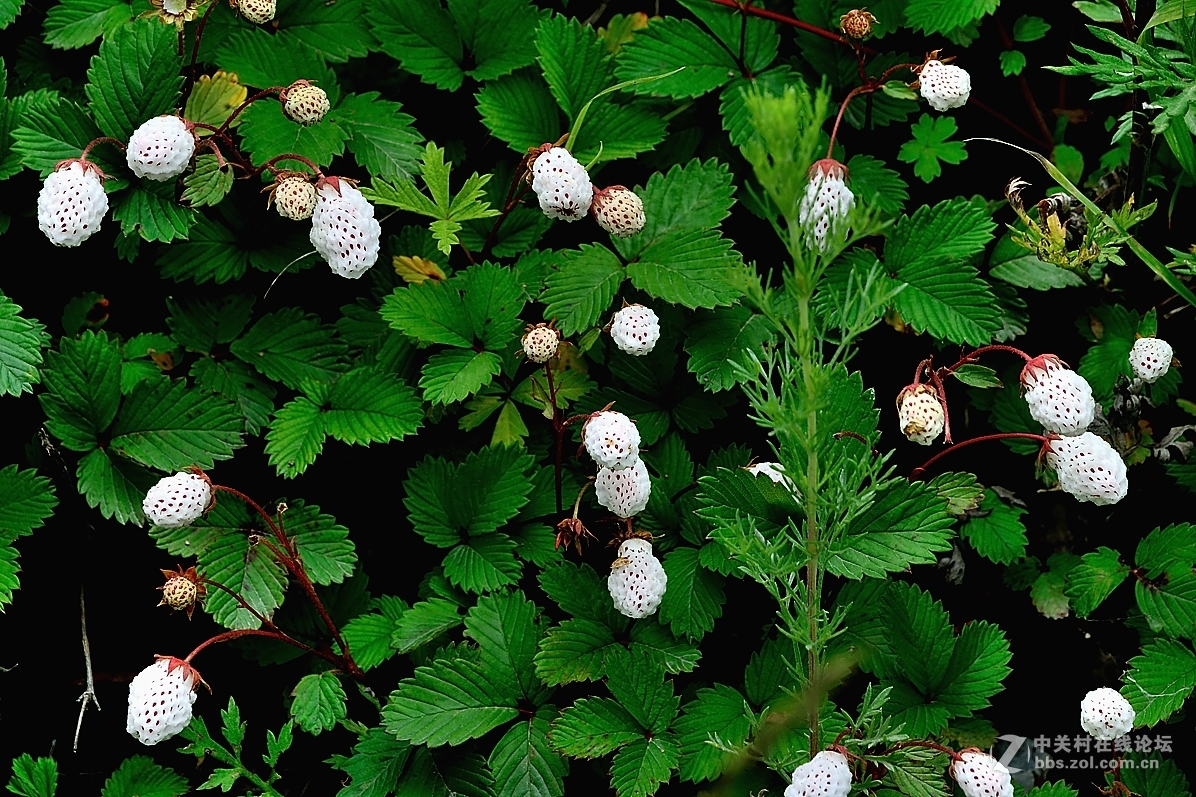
(827, 202)
(1106, 715)
(920, 414)
(305, 103)
(344, 230)
(1059, 398)
(541, 343)
(980, 775)
(825, 775)
(618, 210)
(295, 197)
(258, 12)
(160, 699)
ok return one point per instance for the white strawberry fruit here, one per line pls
(1088, 468)
(294, 197)
(635, 329)
(160, 699)
(258, 12)
(624, 492)
(161, 148)
(920, 414)
(72, 203)
(562, 185)
(637, 581)
(304, 103)
(980, 775)
(827, 203)
(618, 210)
(1151, 358)
(1059, 398)
(541, 343)
(177, 501)
(612, 439)
(944, 86)
(343, 228)
(1106, 715)
(824, 775)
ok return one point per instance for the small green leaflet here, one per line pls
(33, 777)
(447, 212)
(1013, 62)
(150, 210)
(1094, 579)
(318, 702)
(930, 147)
(998, 534)
(21, 342)
(369, 635)
(1168, 594)
(721, 710)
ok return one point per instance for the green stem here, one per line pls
(1141, 251)
(805, 341)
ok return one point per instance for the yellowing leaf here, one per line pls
(622, 30)
(417, 269)
(214, 98)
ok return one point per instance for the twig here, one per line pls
(917, 472)
(89, 692)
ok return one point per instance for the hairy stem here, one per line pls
(917, 473)
(805, 341)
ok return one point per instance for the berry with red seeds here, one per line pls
(177, 501)
(72, 203)
(161, 148)
(624, 492)
(635, 329)
(562, 185)
(944, 86)
(1151, 358)
(618, 210)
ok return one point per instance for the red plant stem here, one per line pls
(851, 95)
(918, 373)
(746, 8)
(229, 636)
(248, 101)
(938, 383)
(294, 563)
(510, 202)
(1043, 127)
(96, 142)
(971, 358)
(1047, 144)
(917, 473)
(287, 156)
(195, 53)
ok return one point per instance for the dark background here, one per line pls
(1054, 661)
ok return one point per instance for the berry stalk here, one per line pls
(917, 472)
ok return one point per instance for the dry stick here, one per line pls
(89, 692)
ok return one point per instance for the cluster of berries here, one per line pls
(565, 192)
(637, 580)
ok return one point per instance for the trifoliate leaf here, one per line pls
(150, 210)
(638, 769)
(941, 16)
(430, 311)
(524, 765)
(505, 628)
(423, 622)
(573, 651)
(169, 426)
(1094, 579)
(21, 342)
(1160, 680)
(593, 727)
(428, 41)
(999, 535)
(581, 287)
(483, 564)
(33, 777)
(328, 553)
(377, 761)
(114, 485)
(722, 711)
(695, 596)
(930, 146)
(139, 776)
(455, 375)
(78, 23)
(338, 31)
(231, 559)
(907, 524)
(290, 346)
(318, 702)
(668, 44)
(82, 381)
(135, 77)
(380, 137)
(474, 498)
(449, 702)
